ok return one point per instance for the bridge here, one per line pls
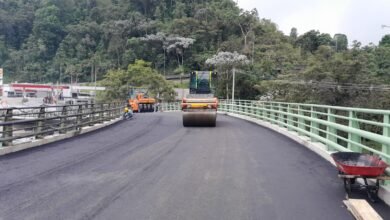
(263, 160)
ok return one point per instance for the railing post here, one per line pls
(285, 112)
(253, 109)
(267, 113)
(272, 114)
(313, 125)
(112, 110)
(63, 119)
(250, 109)
(280, 115)
(257, 110)
(41, 123)
(277, 116)
(290, 118)
(263, 112)
(92, 114)
(242, 108)
(8, 129)
(301, 121)
(386, 133)
(353, 137)
(101, 113)
(120, 110)
(331, 132)
(79, 118)
(246, 108)
(108, 110)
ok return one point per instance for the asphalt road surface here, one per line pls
(152, 167)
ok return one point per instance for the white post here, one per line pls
(94, 98)
(234, 81)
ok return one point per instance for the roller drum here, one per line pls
(199, 118)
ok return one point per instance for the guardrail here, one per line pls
(339, 128)
(170, 106)
(19, 124)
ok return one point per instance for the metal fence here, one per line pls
(24, 124)
(170, 106)
(339, 128)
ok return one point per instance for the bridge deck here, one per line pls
(153, 168)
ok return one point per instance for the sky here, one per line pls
(359, 19)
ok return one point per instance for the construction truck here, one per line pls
(139, 100)
(199, 108)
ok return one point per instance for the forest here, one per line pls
(122, 42)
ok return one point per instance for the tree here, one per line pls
(178, 45)
(228, 60)
(3, 51)
(311, 40)
(385, 41)
(48, 27)
(138, 74)
(293, 35)
(246, 21)
(341, 42)
(161, 39)
(179, 10)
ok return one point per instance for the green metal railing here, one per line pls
(339, 128)
(170, 106)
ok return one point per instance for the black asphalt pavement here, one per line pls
(152, 167)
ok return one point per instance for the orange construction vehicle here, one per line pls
(140, 102)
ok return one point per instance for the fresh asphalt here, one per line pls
(151, 167)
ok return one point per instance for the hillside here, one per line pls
(74, 40)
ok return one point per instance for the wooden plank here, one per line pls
(383, 177)
(361, 210)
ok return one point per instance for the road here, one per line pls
(153, 168)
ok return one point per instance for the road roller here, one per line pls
(199, 108)
(139, 100)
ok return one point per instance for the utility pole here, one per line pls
(234, 83)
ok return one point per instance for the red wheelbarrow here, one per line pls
(353, 165)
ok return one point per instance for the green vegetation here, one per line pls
(119, 82)
(76, 40)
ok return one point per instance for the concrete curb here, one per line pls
(318, 148)
(54, 138)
